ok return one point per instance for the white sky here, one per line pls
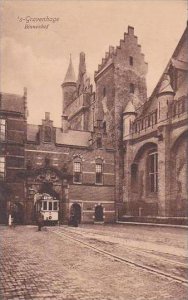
(38, 59)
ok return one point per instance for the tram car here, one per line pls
(49, 208)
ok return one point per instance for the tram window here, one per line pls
(55, 205)
(50, 205)
(45, 205)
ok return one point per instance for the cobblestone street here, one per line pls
(44, 265)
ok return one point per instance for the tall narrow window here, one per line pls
(99, 142)
(153, 172)
(99, 173)
(2, 129)
(77, 176)
(130, 60)
(132, 88)
(104, 126)
(2, 167)
(104, 92)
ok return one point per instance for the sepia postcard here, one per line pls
(93, 149)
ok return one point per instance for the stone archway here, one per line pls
(178, 180)
(143, 187)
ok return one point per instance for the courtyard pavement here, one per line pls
(44, 265)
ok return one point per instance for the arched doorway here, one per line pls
(76, 211)
(18, 213)
(99, 213)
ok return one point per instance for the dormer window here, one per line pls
(130, 60)
(47, 134)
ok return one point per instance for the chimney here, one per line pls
(47, 116)
(65, 123)
(25, 92)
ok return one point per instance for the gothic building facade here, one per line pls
(117, 152)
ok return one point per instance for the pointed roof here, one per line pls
(70, 75)
(129, 108)
(165, 86)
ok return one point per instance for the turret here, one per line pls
(165, 97)
(69, 86)
(129, 115)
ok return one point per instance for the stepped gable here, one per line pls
(113, 52)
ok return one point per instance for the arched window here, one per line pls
(99, 172)
(77, 171)
(153, 171)
(47, 134)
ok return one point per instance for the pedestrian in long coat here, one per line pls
(40, 220)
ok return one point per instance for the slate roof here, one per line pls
(70, 75)
(73, 137)
(70, 138)
(32, 131)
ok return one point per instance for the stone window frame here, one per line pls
(77, 171)
(99, 172)
(2, 129)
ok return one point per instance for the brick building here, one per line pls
(117, 153)
(155, 145)
(13, 116)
